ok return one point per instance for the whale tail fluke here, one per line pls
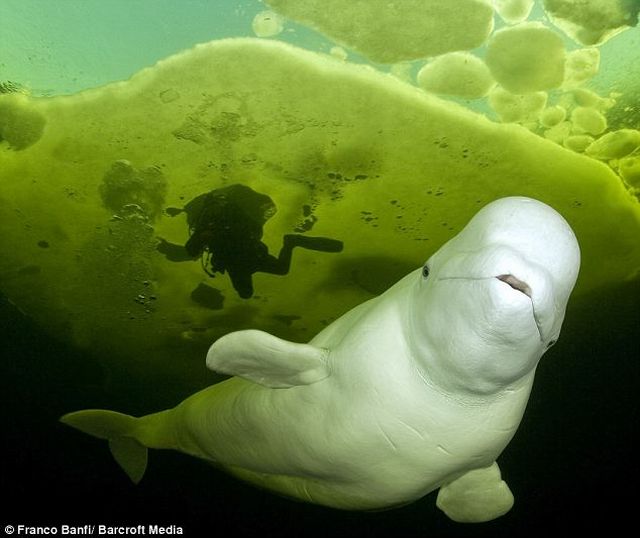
(120, 430)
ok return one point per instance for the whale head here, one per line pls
(491, 301)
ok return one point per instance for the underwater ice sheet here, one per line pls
(343, 151)
(390, 32)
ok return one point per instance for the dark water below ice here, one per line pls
(567, 466)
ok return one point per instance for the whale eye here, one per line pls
(425, 271)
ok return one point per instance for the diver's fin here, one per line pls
(268, 360)
(118, 429)
(478, 495)
(322, 244)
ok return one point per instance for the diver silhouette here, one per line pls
(225, 227)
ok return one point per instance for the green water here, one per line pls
(93, 316)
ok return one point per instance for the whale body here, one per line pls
(417, 389)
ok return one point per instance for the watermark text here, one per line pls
(20, 529)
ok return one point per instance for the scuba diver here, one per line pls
(225, 227)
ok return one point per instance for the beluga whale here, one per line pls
(416, 390)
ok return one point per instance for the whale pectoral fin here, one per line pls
(263, 358)
(478, 495)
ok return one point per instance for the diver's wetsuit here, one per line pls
(226, 224)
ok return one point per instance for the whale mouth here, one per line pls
(516, 284)
(523, 287)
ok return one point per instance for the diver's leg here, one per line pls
(281, 264)
(276, 266)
